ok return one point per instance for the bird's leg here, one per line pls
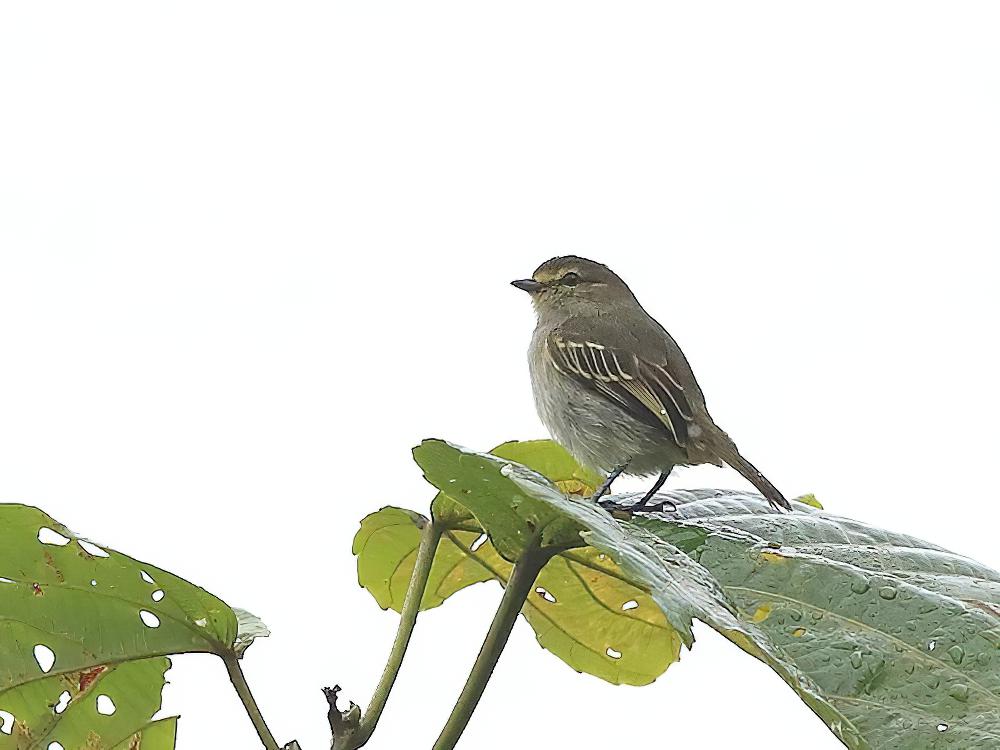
(606, 485)
(652, 491)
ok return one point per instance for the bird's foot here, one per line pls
(664, 506)
(606, 485)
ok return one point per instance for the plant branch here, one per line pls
(243, 690)
(522, 578)
(352, 739)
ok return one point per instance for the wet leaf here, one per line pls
(513, 504)
(583, 609)
(513, 513)
(893, 641)
(84, 632)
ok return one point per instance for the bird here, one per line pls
(613, 387)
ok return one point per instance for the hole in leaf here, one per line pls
(105, 706)
(55, 746)
(932, 645)
(157, 595)
(545, 594)
(630, 604)
(480, 541)
(44, 657)
(6, 722)
(93, 582)
(146, 577)
(63, 702)
(613, 654)
(92, 548)
(942, 727)
(49, 536)
(149, 619)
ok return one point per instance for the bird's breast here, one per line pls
(596, 431)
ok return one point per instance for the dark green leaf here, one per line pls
(895, 642)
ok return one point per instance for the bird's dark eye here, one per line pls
(570, 279)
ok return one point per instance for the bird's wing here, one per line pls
(645, 389)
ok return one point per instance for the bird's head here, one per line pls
(574, 283)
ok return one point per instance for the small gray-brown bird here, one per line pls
(613, 387)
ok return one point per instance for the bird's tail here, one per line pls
(727, 451)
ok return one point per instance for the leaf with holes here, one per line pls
(103, 704)
(893, 641)
(84, 632)
(583, 610)
(156, 735)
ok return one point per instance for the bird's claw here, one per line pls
(664, 506)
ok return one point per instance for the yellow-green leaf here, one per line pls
(583, 609)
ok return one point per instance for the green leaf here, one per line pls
(514, 504)
(386, 548)
(810, 500)
(514, 516)
(582, 606)
(79, 622)
(583, 609)
(553, 462)
(157, 735)
(64, 707)
(893, 641)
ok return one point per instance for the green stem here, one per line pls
(429, 539)
(522, 578)
(243, 690)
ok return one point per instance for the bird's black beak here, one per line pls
(529, 285)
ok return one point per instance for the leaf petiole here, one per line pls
(253, 711)
(522, 578)
(429, 538)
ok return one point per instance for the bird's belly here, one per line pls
(595, 431)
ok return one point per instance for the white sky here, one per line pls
(251, 253)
